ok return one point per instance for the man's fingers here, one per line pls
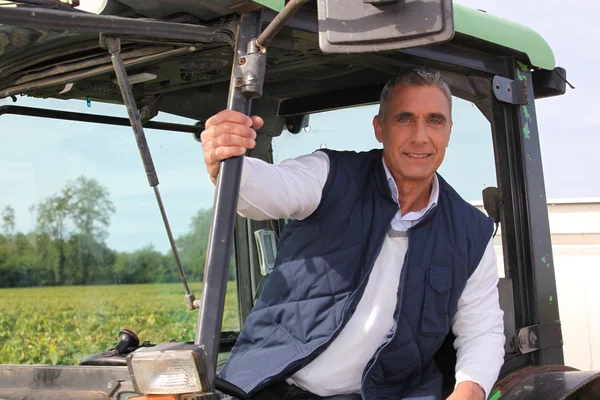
(257, 122)
(226, 140)
(227, 134)
(227, 129)
(207, 135)
(223, 153)
(228, 116)
(230, 128)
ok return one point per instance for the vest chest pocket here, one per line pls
(435, 319)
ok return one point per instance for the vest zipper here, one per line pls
(361, 287)
(398, 310)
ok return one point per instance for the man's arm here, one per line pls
(479, 328)
(291, 189)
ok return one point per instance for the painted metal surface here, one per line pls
(509, 91)
(505, 33)
(40, 18)
(526, 236)
(542, 289)
(220, 241)
(488, 28)
(510, 381)
(556, 385)
(62, 382)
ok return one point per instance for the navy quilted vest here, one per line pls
(322, 267)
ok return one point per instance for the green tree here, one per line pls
(91, 207)
(20, 264)
(77, 221)
(141, 266)
(91, 210)
(52, 219)
(8, 221)
(192, 246)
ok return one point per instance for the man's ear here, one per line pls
(450, 134)
(378, 128)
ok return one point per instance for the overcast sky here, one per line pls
(46, 154)
(570, 124)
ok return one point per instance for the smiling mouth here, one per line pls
(419, 156)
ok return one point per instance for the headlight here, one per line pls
(169, 368)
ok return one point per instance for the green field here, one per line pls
(61, 325)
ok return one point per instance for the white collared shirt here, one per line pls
(404, 222)
(293, 189)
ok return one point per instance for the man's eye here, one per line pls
(435, 121)
(404, 119)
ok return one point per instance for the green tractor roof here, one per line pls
(489, 28)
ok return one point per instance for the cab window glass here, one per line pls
(468, 166)
(83, 249)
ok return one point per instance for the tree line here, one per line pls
(68, 244)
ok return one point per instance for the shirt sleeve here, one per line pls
(479, 326)
(292, 189)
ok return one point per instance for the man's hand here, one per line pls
(467, 391)
(227, 134)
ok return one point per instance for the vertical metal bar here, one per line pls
(507, 149)
(526, 232)
(243, 242)
(543, 294)
(224, 214)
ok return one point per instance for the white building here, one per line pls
(575, 229)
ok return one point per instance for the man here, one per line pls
(381, 259)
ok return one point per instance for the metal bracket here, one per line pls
(252, 71)
(510, 91)
(537, 337)
(149, 109)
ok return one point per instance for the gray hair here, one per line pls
(414, 76)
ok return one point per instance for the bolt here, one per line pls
(532, 338)
(113, 386)
(238, 82)
(242, 60)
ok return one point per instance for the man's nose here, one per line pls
(419, 134)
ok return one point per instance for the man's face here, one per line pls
(415, 132)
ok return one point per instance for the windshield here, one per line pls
(83, 249)
(469, 164)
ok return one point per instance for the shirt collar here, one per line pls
(433, 198)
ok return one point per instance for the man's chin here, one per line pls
(417, 176)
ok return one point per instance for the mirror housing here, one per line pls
(360, 26)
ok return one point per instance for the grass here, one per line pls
(61, 325)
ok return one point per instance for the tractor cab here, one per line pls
(76, 78)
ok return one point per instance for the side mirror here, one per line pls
(492, 203)
(359, 26)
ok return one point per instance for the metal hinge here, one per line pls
(537, 337)
(509, 91)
